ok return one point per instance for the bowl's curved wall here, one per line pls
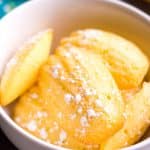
(65, 16)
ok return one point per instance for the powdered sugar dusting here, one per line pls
(79, 110)
(70, 80)
(41, 114)
(62, 78)
(90, 34)
(78, 98)
(98, 103)
(80, 132)
(55, 70)
(62, 136)
(73, 116)
(43, 133)
(89, 91)
(54, 128)
(34, 95)
(32, 126)
(67, 54)
(84, 121)
(91, 112)
(77, 67)
(68, 98)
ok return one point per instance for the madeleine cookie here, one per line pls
(137, 120)
(124, 59)
(21, 71)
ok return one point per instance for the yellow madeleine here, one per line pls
(21, 71)
(124, 59)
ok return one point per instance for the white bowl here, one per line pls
(65, 16)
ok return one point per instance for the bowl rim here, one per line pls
(115, 3)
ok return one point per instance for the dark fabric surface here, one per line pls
(142, 4)
(5, 144)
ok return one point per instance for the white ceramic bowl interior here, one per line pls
(65, 16)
